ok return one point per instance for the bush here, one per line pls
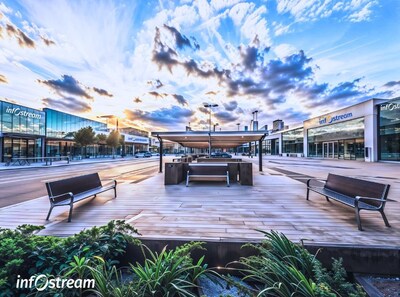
(285, 269)
(25, 254)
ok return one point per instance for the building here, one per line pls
(278, 125)
(368, 131)
(28, 132)
(22, 131)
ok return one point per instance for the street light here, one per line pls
(210, 106)
(238, 124)
(216, 124)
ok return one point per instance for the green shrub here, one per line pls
(285, 269)
(25, 254)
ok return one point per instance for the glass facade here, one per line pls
(292, 141)
(343, 140)
(22, 130)
(62, 125)
(389, 131)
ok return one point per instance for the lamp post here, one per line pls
(216, 124)
(210, 106)
(238, 124)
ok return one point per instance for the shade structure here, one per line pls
(210, 139)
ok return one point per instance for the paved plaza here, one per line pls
(212, 211)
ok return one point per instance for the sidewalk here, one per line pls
(64, 163)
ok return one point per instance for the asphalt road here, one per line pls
(29, 183)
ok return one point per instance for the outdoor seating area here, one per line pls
(210, 171)
(356, 193)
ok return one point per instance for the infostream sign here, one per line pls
(23, 113)
(331, 119)
(390, 106)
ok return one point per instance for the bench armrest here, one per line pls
(318, 179)
(113, 181)
(369, 198)
(71, 196)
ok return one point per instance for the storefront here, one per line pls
(293, 141)
(60, 128)
(22, 131)
(389, 131)
(134, 143)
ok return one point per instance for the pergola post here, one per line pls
(161, 153)
(260, 166)
(209, 144)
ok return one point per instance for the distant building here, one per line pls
(278, 125)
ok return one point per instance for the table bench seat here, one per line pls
(353, 192)
(71, 190)
(208, 171)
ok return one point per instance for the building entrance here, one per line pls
(330, 149)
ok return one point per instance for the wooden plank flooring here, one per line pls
(212, 211)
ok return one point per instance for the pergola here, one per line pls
(207, 139)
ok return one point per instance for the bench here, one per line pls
(68, 191)
(356, 193)
(207, 171)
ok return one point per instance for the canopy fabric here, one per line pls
(218, 139)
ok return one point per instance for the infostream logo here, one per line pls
(332, 119)
(43, 282)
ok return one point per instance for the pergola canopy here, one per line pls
(217, 139)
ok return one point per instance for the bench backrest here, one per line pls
(357, 187)
(75, 185)
(208, 169)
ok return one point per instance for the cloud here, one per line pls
(67, 84)
(225, 116)
(155, 83)
(161, 116)
(102, 92)
(69, 104)
(251, 55)
(182, 41)
(180, 99)
(22, 38)
(231, 105)
(392, 83)
(157, 94)
(3, 79)
(47, 41)
(137, 100)
(313, 10)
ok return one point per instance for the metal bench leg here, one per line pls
(115, 192)
(187, 180)
(358, 219)
(308, 193)
(48, 215)
(384, 218)
(327, 198)
(227, 179)
(70, 212)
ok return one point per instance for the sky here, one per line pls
(153, 64)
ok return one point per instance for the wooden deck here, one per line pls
(212, 211)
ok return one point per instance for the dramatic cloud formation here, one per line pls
(68, 85)
(163, 116)
(22, 38)
(288, 59)
(102, 92)
(181, 40)
(69, 104)
(47, 41)
(3, 79)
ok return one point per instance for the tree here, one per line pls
(84, 137)
(101, 138)
(113, 140)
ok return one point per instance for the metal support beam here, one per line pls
(161, 153)
(260, 166)
(209, 143)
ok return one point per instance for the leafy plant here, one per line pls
(283, 268)
(169, 273)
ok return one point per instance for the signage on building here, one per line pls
(331, 119)
(23, 113)
(390, 106)
(136, 139)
